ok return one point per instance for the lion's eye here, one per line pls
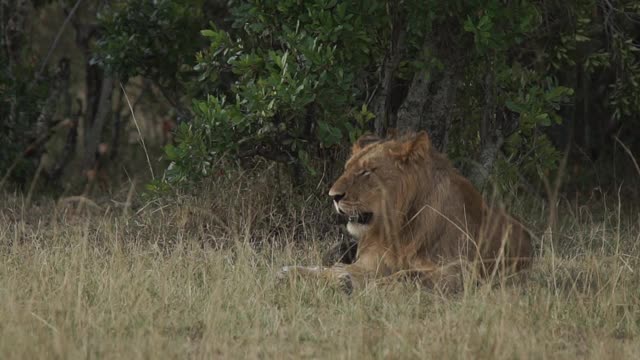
(364, 172)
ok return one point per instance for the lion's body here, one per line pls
(411, 211)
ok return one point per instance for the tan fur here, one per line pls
(428, 220)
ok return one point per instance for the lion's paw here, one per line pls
(288, 271)
(345, 281)
(284, 273)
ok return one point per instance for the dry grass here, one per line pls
(196, 278)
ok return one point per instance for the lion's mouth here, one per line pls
(363, 218)
(355, 217)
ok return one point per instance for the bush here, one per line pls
(288, 80)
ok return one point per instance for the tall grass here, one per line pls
(195, 278)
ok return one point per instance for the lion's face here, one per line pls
(374, 179)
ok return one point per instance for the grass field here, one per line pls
(195, 278)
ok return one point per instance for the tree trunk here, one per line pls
(94, 126)
(491, 138)
(430, 105)
(99, 96)
(382, 102)
(14, 40)
(439, 115)
(412, 109)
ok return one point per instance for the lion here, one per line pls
(412, 213)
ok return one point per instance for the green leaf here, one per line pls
(208, 33)
(514, 107)
(170, 151)
(582, 38)
(469, 26)
(543, 119)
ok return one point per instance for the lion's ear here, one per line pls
(415, 147)
(363, 141)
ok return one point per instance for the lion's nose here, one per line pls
(336, 195)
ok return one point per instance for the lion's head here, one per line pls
(378, 179)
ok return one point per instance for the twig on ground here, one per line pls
(626, 149)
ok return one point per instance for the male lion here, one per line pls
(413, 214)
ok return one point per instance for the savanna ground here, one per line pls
(195, 277)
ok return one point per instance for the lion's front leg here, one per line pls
(347, 277)
(445, 278)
